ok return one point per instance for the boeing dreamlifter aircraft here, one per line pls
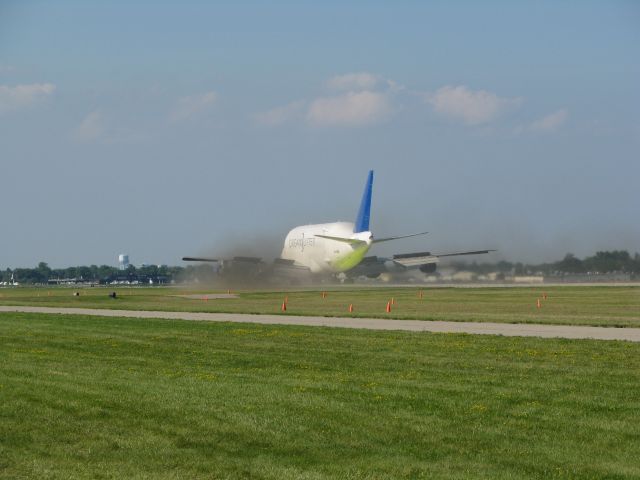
(331, 248)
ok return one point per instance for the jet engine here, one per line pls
(428, 267)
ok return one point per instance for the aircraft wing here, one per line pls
(234, 259)
(425, 261)
(199, 259)
(251, 269)
(350, 241)
(423, 258)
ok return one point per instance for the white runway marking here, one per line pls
(506, 329)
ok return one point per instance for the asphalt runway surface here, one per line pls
(506, 329)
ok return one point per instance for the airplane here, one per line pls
(338, 247)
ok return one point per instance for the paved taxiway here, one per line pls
(506, 329)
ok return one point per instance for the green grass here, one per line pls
(566, 305)
(91, 397)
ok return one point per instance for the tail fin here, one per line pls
(362, 220)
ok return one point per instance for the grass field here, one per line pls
(91, 397)
(565, 305)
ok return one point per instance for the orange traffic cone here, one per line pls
(393, 301)
(538, 304)
(286, 299)
(351, 308)
(544, 295)
(324, 294)
(389, 306)
(284, 306)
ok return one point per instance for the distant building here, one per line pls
(123, 261)
(528, 279)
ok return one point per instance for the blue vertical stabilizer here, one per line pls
(362, 220)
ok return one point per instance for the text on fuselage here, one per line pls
(301, 243)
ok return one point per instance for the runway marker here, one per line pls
(284, 306)
(544, 295)
(389, 306)
(324, 294)
(351, 308)
(538, 304)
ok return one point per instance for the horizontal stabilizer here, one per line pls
(199, 259)
(386, 239)
(350, 241)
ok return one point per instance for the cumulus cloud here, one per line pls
(353, 81)
(92, 127)
(279, 115)
(551, 122)
(187, 107)
(350, 109)
(96, 127)
(22, 96)
(473, 107)
(360, 99)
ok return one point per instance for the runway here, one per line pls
(477, 328)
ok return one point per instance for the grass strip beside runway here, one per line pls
(565, 305)
(90, 397)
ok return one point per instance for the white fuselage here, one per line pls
(322, 255)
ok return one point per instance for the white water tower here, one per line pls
(123, 261)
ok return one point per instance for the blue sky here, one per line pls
(162, 129)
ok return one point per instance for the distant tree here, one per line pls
(85, 273)
(606, 262)
(43, 271)
(570, 264)
(105, 272)
(6, 275)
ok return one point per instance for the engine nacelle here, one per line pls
(428, 268)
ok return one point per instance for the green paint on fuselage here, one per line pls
(351, 259)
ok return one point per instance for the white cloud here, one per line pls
(551, 122)
(22, 96)
(353, 81)
(471, 107)
(91, 128)
(189, 106)
(279, 115)
(362, 99)
(96, 127)
(350, 109)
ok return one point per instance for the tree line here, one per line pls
(42, 274)
(615, 261)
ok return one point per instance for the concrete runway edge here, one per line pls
(506, 329)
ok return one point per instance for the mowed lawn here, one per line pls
(564, 305)
(91, 397)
